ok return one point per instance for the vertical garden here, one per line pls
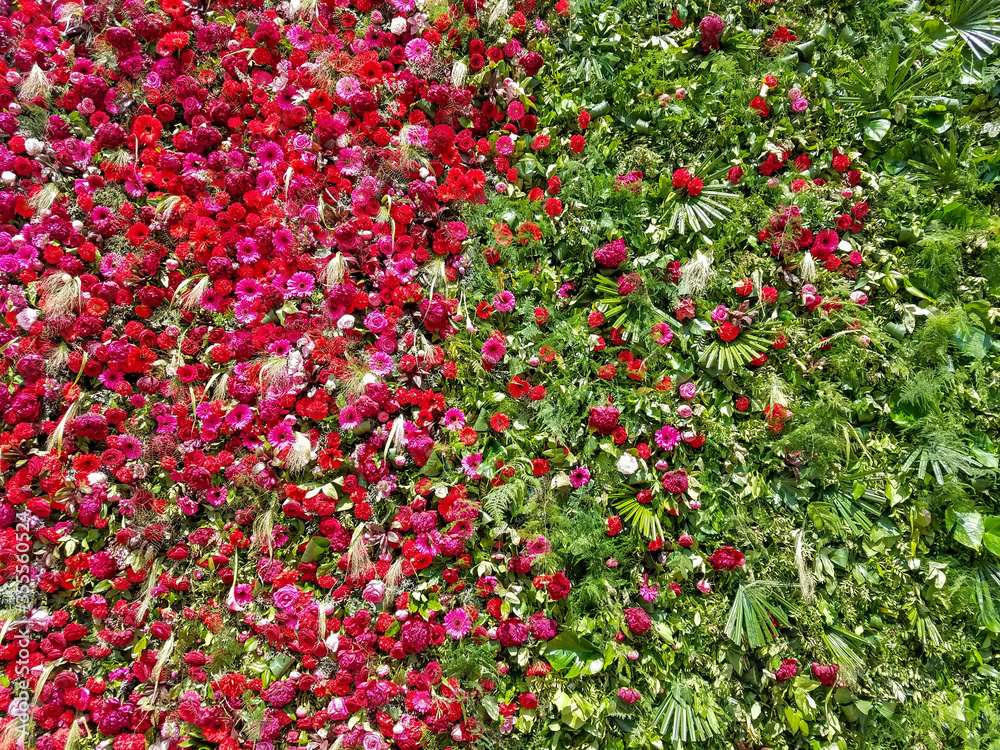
(598, 375)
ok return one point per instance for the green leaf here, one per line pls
(489, 703)
(316, 547)
(280, 664)
(569, 649)
(991, 534)
(876, 129)
(966, 526)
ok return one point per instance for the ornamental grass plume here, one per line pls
(696, 275)
(61, 294)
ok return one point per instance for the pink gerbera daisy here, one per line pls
(457, 623)
(454, 419)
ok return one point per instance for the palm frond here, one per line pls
(844, 645)
(887, 80)
(683, 718)
(642, 517)
(723, 356)
(941, 460)
(940, 164)
(977, 22)
(757, 612)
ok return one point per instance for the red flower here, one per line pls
(146, 129)
(637, 620)
(825, 673)
(788, 669)
(728, 331)
(726, 558)
(499, 422)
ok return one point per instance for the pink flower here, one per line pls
(454, 419)
(286, 597)
(239, 597)
(493, 350)
(628, 695)
(457, 624)
(647, 592)
(788, 669)
(688, 390)
(612, 254)
(825, 673)
(504, 301)
(662, 334)
(668, 437)
(579, 477)
(374, 592)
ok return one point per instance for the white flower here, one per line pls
(346, 323)
(398, 25)
(628, 464)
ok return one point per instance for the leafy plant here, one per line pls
(758, 610)
(683, 718)
(977, 22)
(726, 356)
(888, 80)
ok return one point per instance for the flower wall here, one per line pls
(411, 374)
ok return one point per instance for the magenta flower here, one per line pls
(504, 301)
(579, 477)
(668, 437)
(457, 624)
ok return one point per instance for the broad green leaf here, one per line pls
(991, 534)
(967, 526)
(567, 648)
(876, 129)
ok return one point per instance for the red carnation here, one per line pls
(612, 254)
(637, 620)
(726, 558)
(604, 419)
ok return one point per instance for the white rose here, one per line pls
(346, 323)
(628, 464)
(398, 25)
(33, 146)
